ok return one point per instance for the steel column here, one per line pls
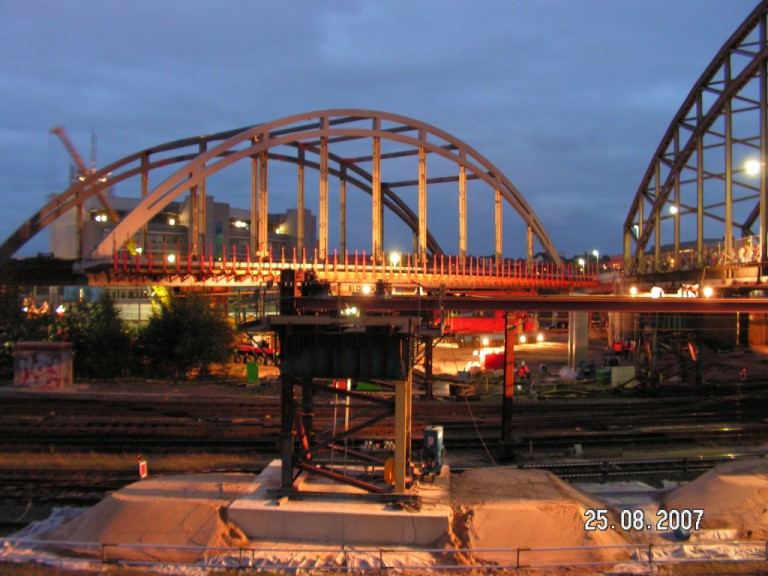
(499, 231)
(640, 226)
(422, 201)
(699, 188)
(263, 204)
(254, 226)
(627, 248)
(323, 195)
(377, 225)
(300, 201)
(342, 208)
(763, 246)
(144, 192)
(529, 246)
(202, 215)
(728, 114)
(462, 211)
(657, 219)
(676, 218)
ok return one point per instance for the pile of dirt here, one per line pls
(511, 508)
(170, 513)
(733, 495)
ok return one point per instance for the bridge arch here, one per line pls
(311, 133)
(703, 200)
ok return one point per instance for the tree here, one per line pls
(17, 324)
(99, 338)
(187, 333)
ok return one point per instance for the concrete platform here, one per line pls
(261, 517)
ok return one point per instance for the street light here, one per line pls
(596, 254)
(752, 167)
(581, 263)
(394, 258)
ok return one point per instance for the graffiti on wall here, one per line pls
(41, 367)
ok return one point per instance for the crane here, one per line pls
(83, 172)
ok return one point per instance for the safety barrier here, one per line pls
(368, 559)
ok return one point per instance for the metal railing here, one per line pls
(361, 559)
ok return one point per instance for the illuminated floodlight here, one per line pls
(350, 311)
(633, 290)
(523, 339)
(752, 167)
(581, 262)
(394, 258)
(366, 289)
(673, 210)
(171, 221)
(708, 291)
(171, 258)
(657, 292)
(60, 309)
(485, 341)
(540, 337)
(139, 250)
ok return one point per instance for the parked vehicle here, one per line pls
(260, 352)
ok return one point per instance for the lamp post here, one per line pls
(596, 254)
(581, 264)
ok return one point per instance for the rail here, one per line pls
(362, 559)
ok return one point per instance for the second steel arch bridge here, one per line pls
(703, 200)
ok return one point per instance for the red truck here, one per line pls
(260, 352)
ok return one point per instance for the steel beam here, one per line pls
(422, 252)
(322, 210)
(300, 201)
(542, 303)
(263, 204)
(342, 208)
(728, 117)
(529, 246)
(144, 192)
(657, 220)
(676, 219)
(499, 229)
(462, 212)
(377, 224)
(699, 187)
(254, 225)
(763, 202)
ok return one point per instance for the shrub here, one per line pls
(187, 333)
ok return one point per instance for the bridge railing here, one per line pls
(746, 251)
(356, 266)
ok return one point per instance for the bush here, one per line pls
(186, 334)
(99, 338)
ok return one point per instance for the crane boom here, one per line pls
(83, 170)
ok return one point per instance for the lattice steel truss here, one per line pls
(702, 200)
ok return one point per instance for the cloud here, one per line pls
(568, 98)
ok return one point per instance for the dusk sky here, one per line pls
(569, 98)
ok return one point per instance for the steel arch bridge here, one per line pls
(703, 200)
(307, 140)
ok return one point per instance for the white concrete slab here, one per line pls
(331, 521)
